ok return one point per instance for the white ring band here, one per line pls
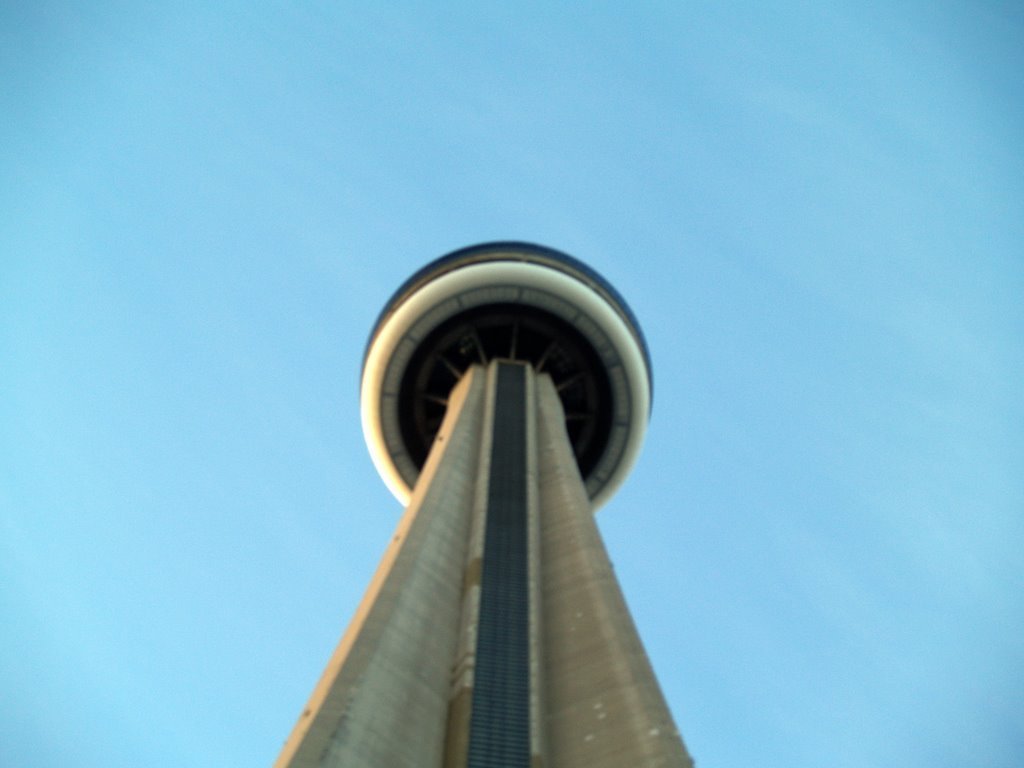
(573, 294)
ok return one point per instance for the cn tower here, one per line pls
(505, 393)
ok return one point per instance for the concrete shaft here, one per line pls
(494, 632)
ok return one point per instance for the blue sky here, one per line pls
(815, 210)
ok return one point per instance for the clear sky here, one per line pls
(816, 211)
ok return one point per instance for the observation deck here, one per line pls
(507, 301)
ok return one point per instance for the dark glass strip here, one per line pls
(499, 732)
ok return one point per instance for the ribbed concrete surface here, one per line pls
(603, 706)
(398, 690)
(383, 699)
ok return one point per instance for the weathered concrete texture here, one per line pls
(383, 699)
(398, 691)
(603, 705)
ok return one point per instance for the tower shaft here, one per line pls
(494, 632)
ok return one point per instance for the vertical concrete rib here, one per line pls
(603, 705)
(464, 665)
(538, 748)
(495, 704)
(383, 699)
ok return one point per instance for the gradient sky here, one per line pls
(815, 210)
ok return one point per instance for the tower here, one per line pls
(505, 393)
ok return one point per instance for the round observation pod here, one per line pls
(511, 301)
